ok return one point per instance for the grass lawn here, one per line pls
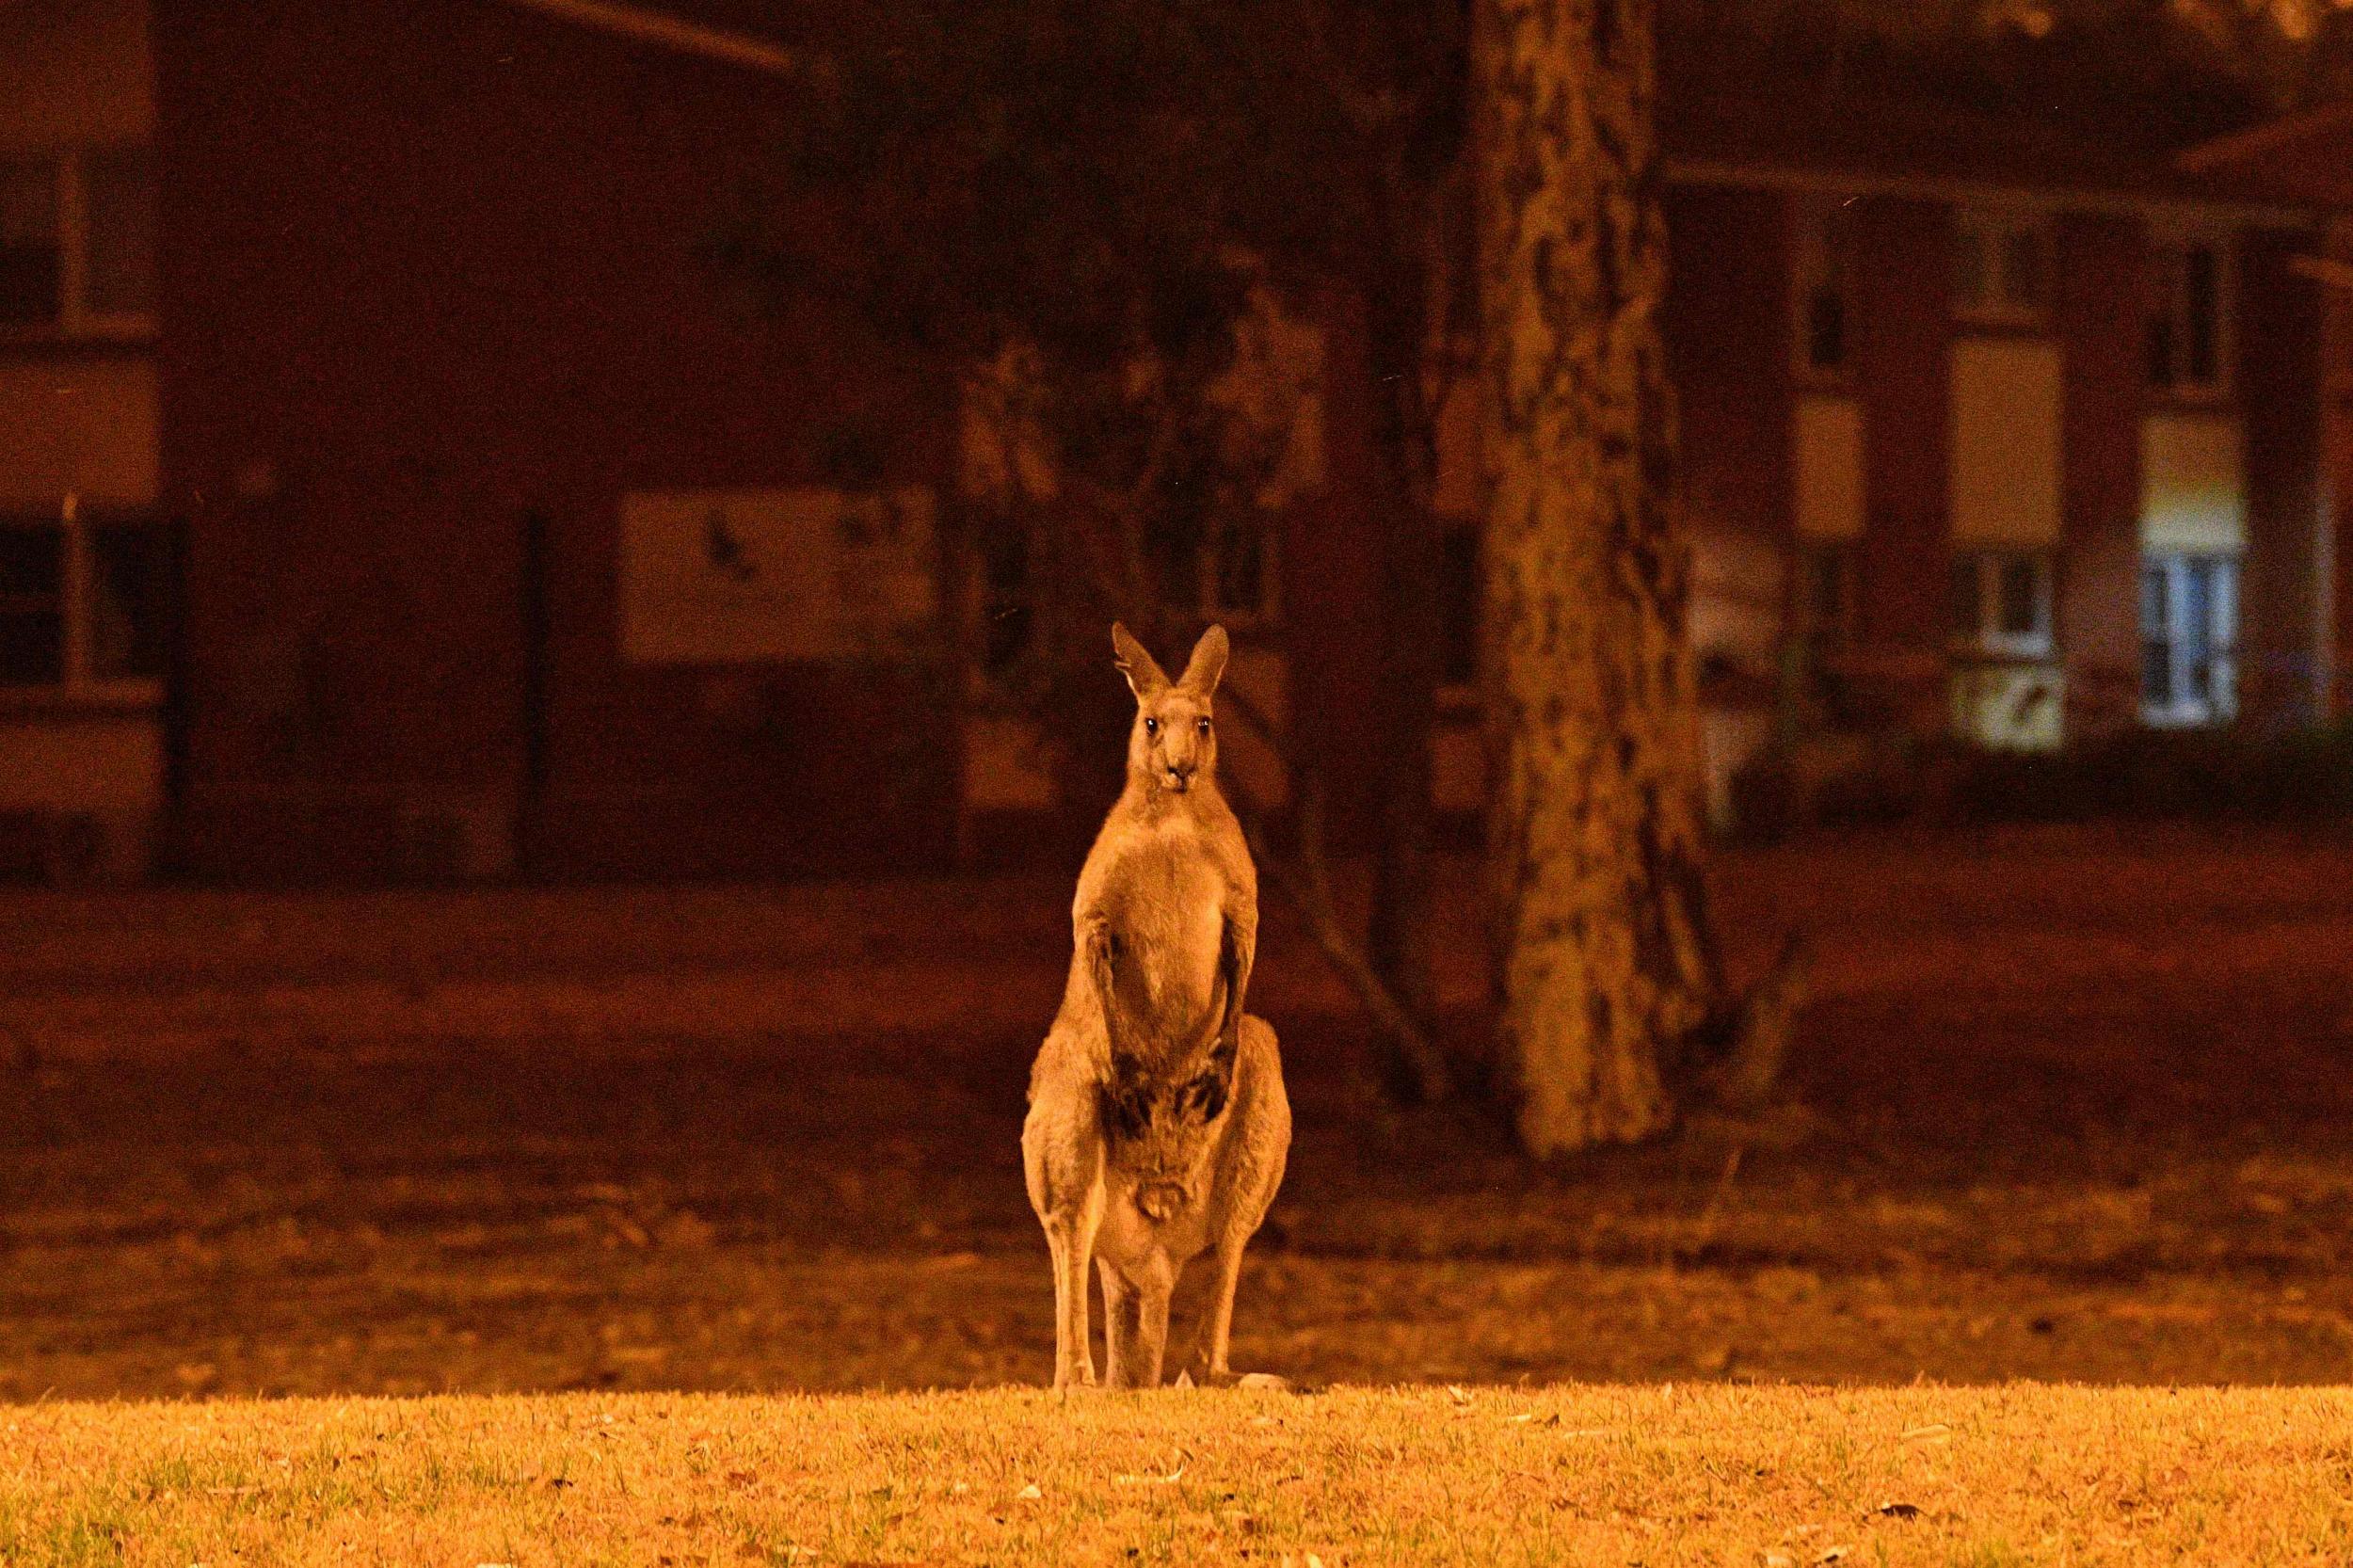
(1705, 1473)
(2076, 1108)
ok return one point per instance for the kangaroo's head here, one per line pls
(1174, 742)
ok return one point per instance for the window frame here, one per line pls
(1993, 229)
(1986, 637)
(77, 319)
(2220, 704)
(78, 684)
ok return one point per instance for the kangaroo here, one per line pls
(1158, 1124)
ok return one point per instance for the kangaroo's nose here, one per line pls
(1179, 775)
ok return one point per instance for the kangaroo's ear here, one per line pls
(1208, 665)
(1144, 674)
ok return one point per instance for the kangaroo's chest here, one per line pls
(1166, 896)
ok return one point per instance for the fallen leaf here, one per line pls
(1899, 1511)
(1030, 1493)
(1780, 1560)
(1935, 1432)
(1830, 1554)
(1460, 1398)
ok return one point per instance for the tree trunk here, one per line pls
(1609, 971)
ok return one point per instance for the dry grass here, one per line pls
(1708, 1474)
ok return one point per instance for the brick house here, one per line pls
(388, 493)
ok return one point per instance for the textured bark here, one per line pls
(1609, 977)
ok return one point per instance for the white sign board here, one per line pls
(749, 576)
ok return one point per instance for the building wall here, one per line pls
(431, 273)
(2287, 582)
(435, 310)
(2100, 261)
(1902, 262)
(78, 411)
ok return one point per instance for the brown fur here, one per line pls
(1158, 1124)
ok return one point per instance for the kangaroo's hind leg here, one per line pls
(1122, 1307)
(1251, 1170)
(1062, 1159)
(1071, 1242)
(1153, 1293)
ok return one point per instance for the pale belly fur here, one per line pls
(1169, 898)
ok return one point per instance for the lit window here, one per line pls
(32, 248)
(2188, 635)
(2001, 267)
(2186, 318)
(2002, 603)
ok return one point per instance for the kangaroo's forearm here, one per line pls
(1234, 960)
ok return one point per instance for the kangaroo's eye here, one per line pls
(1151, 727)
(1202, 727)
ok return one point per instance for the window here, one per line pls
(32, 256)
(1217, 559)
(1826, 596)
(2001, 267)
(1458, 607)
(1007, 618)
(1237, 564)
(77, 242)
(32, 606)
(2188, 632)
(85, 605)
(1822, 272)
(2002, 603)
(2186, 323)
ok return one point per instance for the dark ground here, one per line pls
(2076, 1105)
